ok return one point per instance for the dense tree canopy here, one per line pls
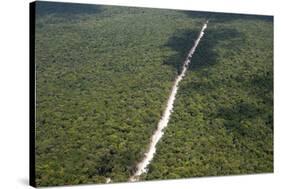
(103, 77)
(104, 74)
(223, 116)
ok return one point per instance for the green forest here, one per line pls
(103, 77)
(222, 122)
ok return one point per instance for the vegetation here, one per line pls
(103, 75)
(222, 122)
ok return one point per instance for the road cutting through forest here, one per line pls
(163, 122)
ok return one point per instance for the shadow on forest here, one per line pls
(243, 111)
(226, 17)
(182, 41)
(65, 9)
(240, 111)
(207, 54)
(265, 83)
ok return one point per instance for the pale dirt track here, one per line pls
(163, 122)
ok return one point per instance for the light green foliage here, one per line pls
(104, 74)
(103, 77)
(223, 116)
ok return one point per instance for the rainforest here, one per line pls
(104, 75)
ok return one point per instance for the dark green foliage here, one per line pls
(103, 77)
(223, 116)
